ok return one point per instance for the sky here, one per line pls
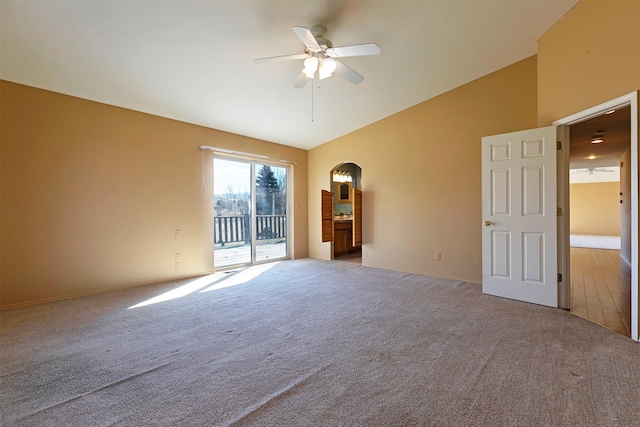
(234, 173)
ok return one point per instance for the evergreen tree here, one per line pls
(267, 188)
(267, 180)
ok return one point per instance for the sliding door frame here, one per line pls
(253, 162)
(254, 211)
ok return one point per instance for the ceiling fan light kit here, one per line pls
(320, 56)
(327, 67)
(310, 66)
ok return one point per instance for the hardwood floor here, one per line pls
(601, 288)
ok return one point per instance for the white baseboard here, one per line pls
(596, 242)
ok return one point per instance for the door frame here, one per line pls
(331, 186)
(254, 210)
(564, 292)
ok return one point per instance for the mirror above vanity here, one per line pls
(344, 192)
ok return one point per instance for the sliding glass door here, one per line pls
(271, 211)
(250, 212)
(232, 212)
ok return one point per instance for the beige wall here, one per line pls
(421, 175)
(92, 195)
(590, 56)
(595, 208)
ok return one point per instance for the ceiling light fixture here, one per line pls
(591, 157)
(598, 137)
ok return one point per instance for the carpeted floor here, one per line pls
(312, 343)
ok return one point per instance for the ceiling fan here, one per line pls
(321, 58)
(591, 171)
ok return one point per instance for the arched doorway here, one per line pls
(346, 207)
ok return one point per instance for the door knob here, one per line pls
(488, 223)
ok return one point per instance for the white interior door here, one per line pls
(519, 231)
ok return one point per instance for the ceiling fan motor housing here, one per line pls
(318, 33)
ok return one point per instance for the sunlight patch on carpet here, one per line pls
(242, 277)
(183, 290)
(219, 280)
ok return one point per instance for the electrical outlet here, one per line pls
(178, 234)
(178, 265)
(438, 256)
(178, 257)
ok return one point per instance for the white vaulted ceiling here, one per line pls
(193, 60)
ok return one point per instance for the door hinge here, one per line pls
(559, 277)
(558, 145)
(559, 211)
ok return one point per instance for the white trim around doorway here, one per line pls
(631, 100)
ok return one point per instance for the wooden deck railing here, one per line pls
(231, 229)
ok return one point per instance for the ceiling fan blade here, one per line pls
(348, 73)
(301, 81)
(355, 50)
(304, 34)
(281, 58)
